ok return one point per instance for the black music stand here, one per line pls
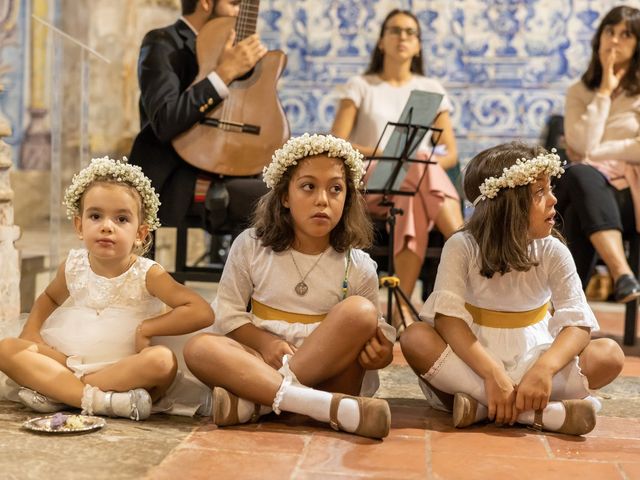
(394, 169)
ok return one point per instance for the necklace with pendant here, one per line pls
(301, 287)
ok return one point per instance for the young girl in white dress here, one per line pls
(86, 342)
(314, 319)
(507, 328)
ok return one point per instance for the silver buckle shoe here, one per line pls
(38, 402)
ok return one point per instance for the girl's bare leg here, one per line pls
(449, 219)
(408, 265)
(332, 349)
(422, 346)
(223, 362)
(41, 368)
(601, 362)
(328, 355)
(153, 369)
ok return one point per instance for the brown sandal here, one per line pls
(464, 410)
(375, 416)
(225, 409)
(580, 418)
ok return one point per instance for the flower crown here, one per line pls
(523, 172)
(306, 145)
(121, 172)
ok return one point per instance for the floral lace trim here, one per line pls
(88, 396)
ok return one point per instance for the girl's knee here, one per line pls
(611, 357)
(360, 312)
(160, 361)
(201, 348)
(8, 348)
(416, 337)
(603, 363)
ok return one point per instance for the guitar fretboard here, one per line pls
(247, 19)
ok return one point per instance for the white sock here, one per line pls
(315, 404)
(247, 408)
(482, 412)
(451, 375)
(552, 416)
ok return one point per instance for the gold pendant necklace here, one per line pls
(301, 287)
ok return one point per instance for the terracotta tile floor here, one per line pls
(422, 445)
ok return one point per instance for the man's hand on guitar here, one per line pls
(236, 60)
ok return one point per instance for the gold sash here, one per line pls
(496, 319)
(266, 312)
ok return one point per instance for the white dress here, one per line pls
(96, 326)
(554, 279)
(254, 271)
(379, 102)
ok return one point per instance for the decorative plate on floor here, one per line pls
(63, 423)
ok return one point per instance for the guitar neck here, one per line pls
(247, 19)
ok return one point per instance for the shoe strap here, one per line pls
(108, 396)
(255, 416)
(333, 410)
(537, 421)
(134, 414)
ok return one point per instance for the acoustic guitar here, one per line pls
(238, 137)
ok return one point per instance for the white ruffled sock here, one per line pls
(315, 404)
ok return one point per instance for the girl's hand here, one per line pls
(142, 339)
(610, 80)
(377, 352)
(501, 397)
(273, 351)
(534, 389)
(573, 156)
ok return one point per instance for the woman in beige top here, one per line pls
(599, 196)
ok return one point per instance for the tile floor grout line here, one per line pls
(301, 456)
(174, 450)
(428, 457)
(623, 474)
(547, 446)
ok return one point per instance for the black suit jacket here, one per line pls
(166, 68)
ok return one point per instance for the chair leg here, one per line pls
(181, 253)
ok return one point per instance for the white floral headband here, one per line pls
(523, 172)
(121, 172)
(306, 145)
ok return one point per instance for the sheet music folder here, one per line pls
(418, 114)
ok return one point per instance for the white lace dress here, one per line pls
(96, 326)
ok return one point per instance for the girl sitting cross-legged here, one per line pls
(86, 342)
(507, 328)
(314, 336)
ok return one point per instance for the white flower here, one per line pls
(121, 172)
(523, 172)
(306, 145)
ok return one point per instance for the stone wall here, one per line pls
(9, 233)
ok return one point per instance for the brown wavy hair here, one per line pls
(630, 83)
(499, 225)
(274, 225)
(377, 57)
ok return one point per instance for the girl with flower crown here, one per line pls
(506, 332)
(87, 340)
(313, 337)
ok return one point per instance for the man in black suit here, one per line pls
(169, 105)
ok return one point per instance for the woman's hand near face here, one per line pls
(610, 79)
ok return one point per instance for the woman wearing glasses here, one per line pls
(367, 103)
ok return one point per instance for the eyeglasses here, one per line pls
(411, 32)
